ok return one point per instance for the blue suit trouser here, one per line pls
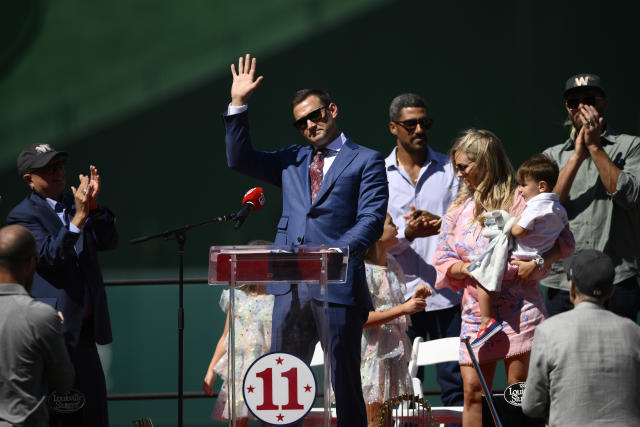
(298, 326)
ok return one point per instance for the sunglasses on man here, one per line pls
(315, 116)
(50, 168)
(411, 124)
(573, 103)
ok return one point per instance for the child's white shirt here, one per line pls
(544, 218)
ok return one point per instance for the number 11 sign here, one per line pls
(279, 388)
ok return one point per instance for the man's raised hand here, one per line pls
(244, 81)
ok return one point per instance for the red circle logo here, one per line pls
(279, 388)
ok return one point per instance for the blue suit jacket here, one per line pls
(62, 275)
(349, 210)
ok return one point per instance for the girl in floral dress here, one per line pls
(386, 349)
(253, 310)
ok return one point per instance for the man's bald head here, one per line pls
(17, 255)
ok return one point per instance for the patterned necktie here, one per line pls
(315, 172)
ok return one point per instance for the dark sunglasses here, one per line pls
(315, 116)
(573, 103)
(51, 167)
(411, 124)
(462, 168)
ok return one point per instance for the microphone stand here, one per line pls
(181, 237)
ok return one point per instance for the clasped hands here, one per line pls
(421, 223)
(86, 196)
(588, 138)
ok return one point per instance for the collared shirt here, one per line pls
(33, 357)
(66, 221)
(598, 219)
(435, 189)
(334, 147)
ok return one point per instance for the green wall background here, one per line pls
(136, 88)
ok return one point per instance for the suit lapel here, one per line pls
(304, 171)
(48, 216)
(347, 153)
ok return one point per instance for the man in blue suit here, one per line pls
(69, 230)
(334, 193)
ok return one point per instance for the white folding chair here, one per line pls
(431, 352)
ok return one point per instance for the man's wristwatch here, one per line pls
(539, 261)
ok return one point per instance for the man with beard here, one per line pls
(422, 184)
(599, 185)
(333, 193)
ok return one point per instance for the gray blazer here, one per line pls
(33, 358)
(585, 369)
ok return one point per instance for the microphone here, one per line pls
(252, 200)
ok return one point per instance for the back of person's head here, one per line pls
(18, 253)
(539, 168)
(495, 190)
(303, 94)
(406, 100)
(591, 273)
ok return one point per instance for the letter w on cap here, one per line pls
(582, 81)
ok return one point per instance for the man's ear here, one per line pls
(27, 179)
(333, 110)
(393, 128)
(543, 187)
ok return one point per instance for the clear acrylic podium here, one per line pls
(311, 269)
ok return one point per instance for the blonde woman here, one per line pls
(489, 184)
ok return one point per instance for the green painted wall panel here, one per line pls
(90, 63)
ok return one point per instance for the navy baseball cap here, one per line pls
(36, 156)
(591, 272)
(584, 80)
